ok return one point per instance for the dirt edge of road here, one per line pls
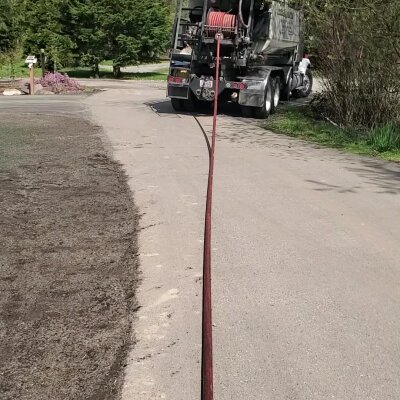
(69, 261)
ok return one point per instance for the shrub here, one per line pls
(59, 83)
(358, 43)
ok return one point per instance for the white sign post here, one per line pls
(31, 61)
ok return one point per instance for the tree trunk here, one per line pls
(96, 70)
(116, 71)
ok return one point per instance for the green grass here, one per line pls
(384, 138)
(382, 142)
(20, 69)
(82, 72)
(107, 62)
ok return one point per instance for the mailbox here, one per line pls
(31, 61)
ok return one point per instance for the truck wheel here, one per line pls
(265, 110)
(276, 83)
(247, 111)
(306, 89)
(191, 104)
(286, 92)
(177, 104)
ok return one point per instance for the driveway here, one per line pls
(306, 258)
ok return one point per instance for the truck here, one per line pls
(262, 58)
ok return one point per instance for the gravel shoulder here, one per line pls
(68, 262)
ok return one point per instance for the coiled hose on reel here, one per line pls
(218, 21)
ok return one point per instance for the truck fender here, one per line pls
(256, 81)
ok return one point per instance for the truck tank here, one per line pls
(278, 30)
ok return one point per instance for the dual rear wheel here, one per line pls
(271, 99)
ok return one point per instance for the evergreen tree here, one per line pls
(11, 32)
(83, 23)
(137, 31)
(87, 31)
(11, 24)
(125, 31)
(45, 30)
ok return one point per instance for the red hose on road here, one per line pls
(207, 386)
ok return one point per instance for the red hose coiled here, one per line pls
(218, 21)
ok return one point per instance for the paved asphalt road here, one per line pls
(306, 258)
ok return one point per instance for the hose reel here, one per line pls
(222, 22)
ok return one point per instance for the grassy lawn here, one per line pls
(383, 142)
(107, 62)
(82, 72)
(20, 70)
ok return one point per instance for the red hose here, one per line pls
(207, 387)
(220, 22)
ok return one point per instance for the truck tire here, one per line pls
(276, 84)
(177, 104)
(264, 111)
(286, 92)
(191, 104)
(247, 111)
(306, 90)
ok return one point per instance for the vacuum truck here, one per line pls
(261, 55)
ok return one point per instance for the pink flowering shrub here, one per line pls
(59, 83)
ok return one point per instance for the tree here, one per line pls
(83, 23)
(46, 30)
(11, 31)
(11, 25)
(86, 31)
(125, 31)
(137, 31)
